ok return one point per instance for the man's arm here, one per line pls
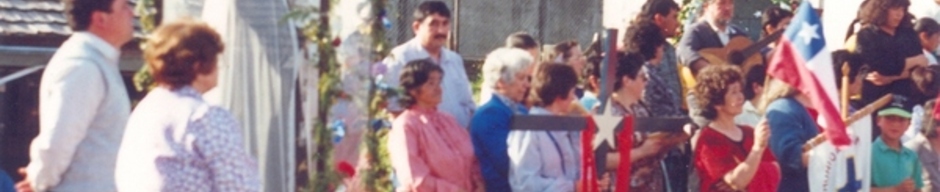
(687, 49)
(69, 97)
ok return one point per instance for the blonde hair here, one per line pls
(775, 89)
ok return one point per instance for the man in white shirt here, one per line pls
(432, 25)
(83, 103)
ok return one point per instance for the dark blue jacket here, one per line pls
(790, 127)
(489, 129)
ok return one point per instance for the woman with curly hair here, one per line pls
(730, 157)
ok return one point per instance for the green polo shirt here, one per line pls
(890, 167)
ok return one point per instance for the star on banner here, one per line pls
(808, 32)
(606, 124)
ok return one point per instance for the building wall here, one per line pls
(479, 26)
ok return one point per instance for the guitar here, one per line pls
(739, 51)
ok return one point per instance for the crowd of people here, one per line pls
(747, 133)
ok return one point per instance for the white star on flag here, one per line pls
(808, 32)
(605, 129)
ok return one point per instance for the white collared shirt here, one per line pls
(83, 109)
(456, 98)
(931, 59)
(723, 35)
(749, 115)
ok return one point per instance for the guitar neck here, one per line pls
(756, 47)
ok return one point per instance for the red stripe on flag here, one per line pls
(625, 141)
(588, 175)
(789, 66)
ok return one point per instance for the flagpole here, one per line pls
(884, 100)
(845, 91)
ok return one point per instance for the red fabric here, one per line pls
(625, 140)
(716, 155)
(789, 66)
(936, 109)
(588, 175)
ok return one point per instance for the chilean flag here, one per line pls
(802, 61)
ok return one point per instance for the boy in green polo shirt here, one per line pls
(894, 167)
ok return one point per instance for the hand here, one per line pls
(761, 135)
(906, 185)
(651, 146)
(878, 79)
(25, 185)
(604, 183)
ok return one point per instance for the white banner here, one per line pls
(829, 169)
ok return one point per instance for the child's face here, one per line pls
(930, 42)
(892, 127)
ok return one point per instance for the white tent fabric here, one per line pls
(257, 78)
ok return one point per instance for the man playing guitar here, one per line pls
(714, 30)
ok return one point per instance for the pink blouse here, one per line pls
(431, 152)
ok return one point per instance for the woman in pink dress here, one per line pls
(428, 149)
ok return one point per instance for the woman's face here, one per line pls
(895, 15)
(577, 59)
(634, 87)
(733, 102)
(429, 93)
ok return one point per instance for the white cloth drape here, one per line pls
(257, 75)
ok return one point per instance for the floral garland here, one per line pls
(148, 12)
(377, 177)
(325, 173)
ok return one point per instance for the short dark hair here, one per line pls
(629, 65)
(772, 16)
(428, 8)
(644, 38)
(926, 25)
(656, 7)
(712, 84)
(875, 12)
(563, 50)
(521, 40)
(179, 51)
(756, 74)
(553, 81)
(415, 74)
(78, 12)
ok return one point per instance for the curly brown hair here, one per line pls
(712, 85)
(179, 51)
(875, 12)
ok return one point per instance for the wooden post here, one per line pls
(868, 110)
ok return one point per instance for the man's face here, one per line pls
(120, 21)
(433, 30)
(669, 23)
(721, 10)
(892, 126)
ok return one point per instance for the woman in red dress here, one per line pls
(730, 157)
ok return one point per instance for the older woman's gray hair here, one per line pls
(502, 64)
